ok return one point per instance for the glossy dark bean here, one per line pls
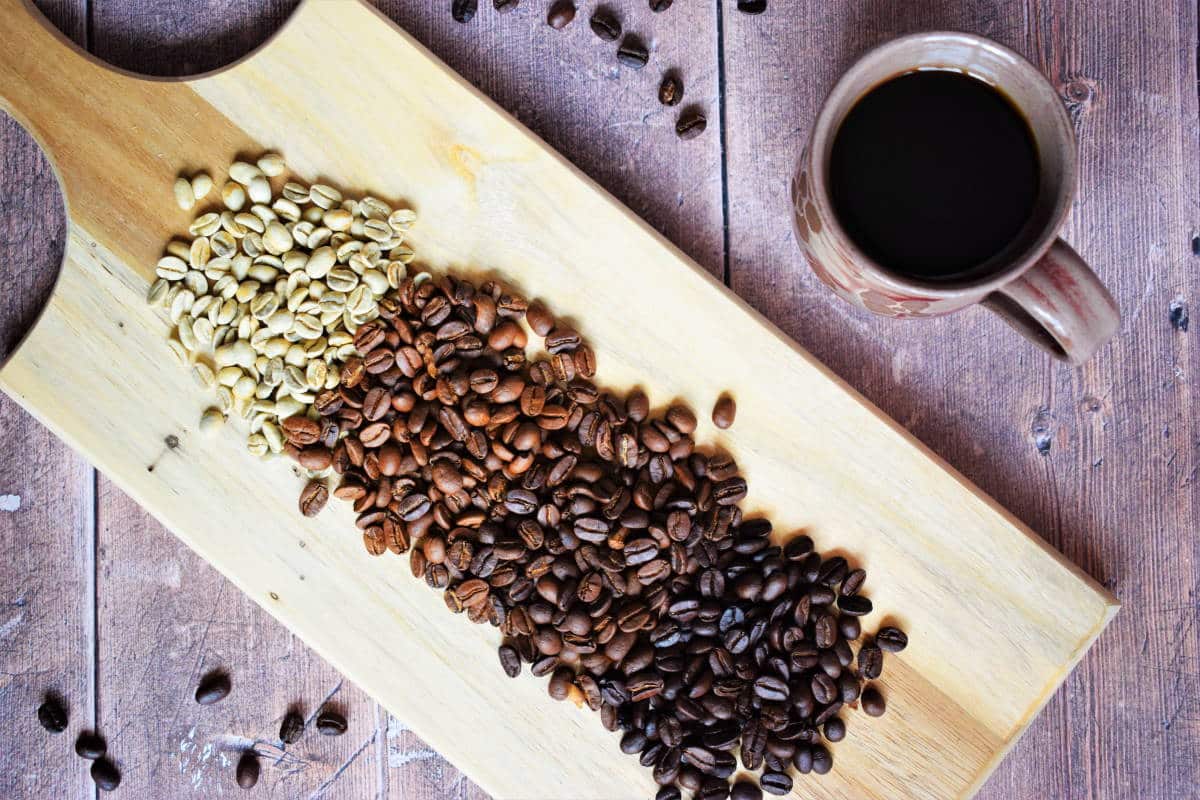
(855, 605)
(777, 783)
(464, 10)
(52, 715)
(90, 745)
(891, 640)
(292, 727)
(870, 661)
(331, 723)
(872, 702)
(213, 688)
(608, 28)
(105, 775)
(691, 124)
(745, 790)
(668, 793)
(248, 770)
(632, 53)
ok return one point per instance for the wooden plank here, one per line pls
(490, 193)
(46, 499)
(1102, 460)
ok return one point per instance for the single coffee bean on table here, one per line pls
(248, 770)
(891, 640)
(331, 723)
(213, 688)
(561, 14)
(660, 5)
(313, 498)
(632, 52)
(105, 775)
(745, 790)
(605, 25)
(691, 124)
(872, 702)
(752, 6)
(723, 412)
(505, 6)
(463, 10)
(670, 91)
(292, 727)
(90, 745)
(52, 714)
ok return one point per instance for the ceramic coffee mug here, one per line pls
(1040, 286)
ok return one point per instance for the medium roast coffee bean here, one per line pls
(331, 723)
(561, 14)
(670, 91)
(214, 687)
(292, 727)
(745, 790)
(691, 124)
(313, 498)
(90, 745)
(891, 640)
(608, 28)
(247, 770)
(723, 412)
(52, 715)
(105, 775)
(632, 53)
(872, 702)
(463, 10)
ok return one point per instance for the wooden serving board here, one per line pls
(996, 618)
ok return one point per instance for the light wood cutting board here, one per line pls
(996, 618)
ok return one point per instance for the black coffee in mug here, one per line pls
(933, 173)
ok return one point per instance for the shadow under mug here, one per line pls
(1038, 284)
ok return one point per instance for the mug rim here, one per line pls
(841, 99)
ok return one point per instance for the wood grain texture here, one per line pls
(47, 602)
(492, 197)
(1102, 460)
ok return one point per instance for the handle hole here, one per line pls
(1021, 320)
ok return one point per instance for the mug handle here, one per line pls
(1060, 305)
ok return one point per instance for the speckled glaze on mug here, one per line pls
(1038, 284)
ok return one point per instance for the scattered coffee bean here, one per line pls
(660, 5)
(313, 498)
(505, 6)
(870, 661)
(105, 775)
(691, 124)
(90, 745)
(872, 702)
(605, 25)
(331, 723)
(723, 412)
(463, 10)
(632, 53)
(510, 661)
(292, 727)
(52, 715)
(891, 640)
(745, 790)
(561, 14)
(778, 783)
(670, 91)
(752, 6)
(247, 770)
(214, 687)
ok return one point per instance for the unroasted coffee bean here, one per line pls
(90, 745)
(872, 702)
(247, 770)
(723, 412)
(463, 10)
(632, 53)
(331, 723)
(52, 715)
(561, 14)
(891, 640)
(105, 775)
(777, 783)
(605, 25)
(691, 124)
(292, 727)
(214, 687)
(313, 498)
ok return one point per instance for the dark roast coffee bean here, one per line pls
(214, 687)
(90, 745)
(505, 6)
(670, 91)
(855, 605)
(872, 702)
(752, 6)
(632, 53)
(803, 759)
(660, 5)
(690, 125)
(510, 661)
(561, 14)
(105, 775)
(771, 689)
(870, 661)
(463, 10)
(777, 783)
(822, 761)
(713, 789)
(848, 687)
(331, 723)
(850, 627)
(891, 640)
(835, 729)
(247, 770)
(52, 715)
(668, 793)
(853, 581)
(292, 727)
(745, 790)
(824, 690)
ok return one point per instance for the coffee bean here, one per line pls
(870, 661)
(668, 793)
(247, 770)
(724, 411)
(691, 124)
(778, 783)
(560, 683)
(824, 690)
(891, 640)
(52, 714)
(561, 14)
(213, 688)
(713, 789)
(872, 702)
(605, 25)
(505, 6)
(752, 6)
(331, 723)
(105, 775)
(771, 689)
(90, 745)
(660, 5)
(292, 727)
(822, 761)
(855, 605)
(313, 498)
(632, 53)
(463, 10)
(745, 790)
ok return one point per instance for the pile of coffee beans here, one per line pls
(52, 715)
(612, 554)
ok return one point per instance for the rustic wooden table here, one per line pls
(100, 603)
